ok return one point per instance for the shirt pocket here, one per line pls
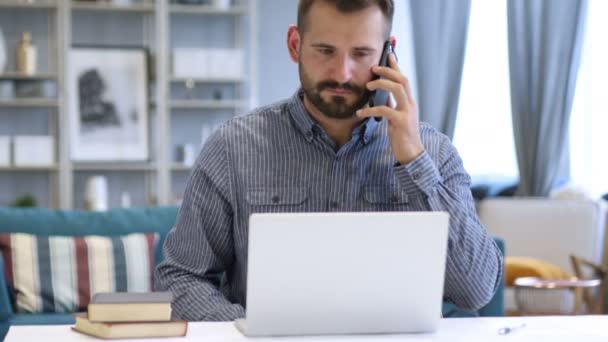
(386, 198)
(277, 199)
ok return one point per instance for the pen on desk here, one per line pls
(509, 329)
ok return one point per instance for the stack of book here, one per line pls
(130, 315)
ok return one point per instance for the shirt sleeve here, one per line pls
(437, 181)
(199, 249)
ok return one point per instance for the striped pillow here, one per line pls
(61, 273)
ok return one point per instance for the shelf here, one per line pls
(114, 166)
(205, 80)
(34, 4)
(173, 107)
(28, 168)
(112, 7)
(205, 104)
(206, 10)
(29, 103)
(21, 77)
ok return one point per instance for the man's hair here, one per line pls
(347, 6)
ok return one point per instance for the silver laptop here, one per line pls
(345, 273)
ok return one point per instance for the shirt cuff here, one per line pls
(421, 174)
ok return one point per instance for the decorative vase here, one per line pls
(26, 55)
(96, 195)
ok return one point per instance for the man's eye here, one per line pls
(326, 51)
(361, 54)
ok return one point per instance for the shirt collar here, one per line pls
(367, 129)
(306, 125)
(300, 116)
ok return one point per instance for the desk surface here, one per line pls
(548, 329)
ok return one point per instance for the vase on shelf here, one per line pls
(26, 55)
(96, 193)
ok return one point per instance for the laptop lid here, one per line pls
(345, 273)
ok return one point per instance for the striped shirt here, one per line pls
(277, 159)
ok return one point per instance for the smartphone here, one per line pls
(379, 97)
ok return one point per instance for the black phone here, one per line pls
(379, 97)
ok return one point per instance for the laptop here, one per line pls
(345, 273)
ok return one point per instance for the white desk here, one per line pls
(546, 329)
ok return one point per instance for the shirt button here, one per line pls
(275, 199)
(416, 175)
(394, 199)
(334, 204)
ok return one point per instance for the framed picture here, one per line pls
(108, 104)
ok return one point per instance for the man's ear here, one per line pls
(393, 41)
(293, 43)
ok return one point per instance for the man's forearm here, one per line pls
(214, 307)
(200, 246)
(473, 265)
(195, 299)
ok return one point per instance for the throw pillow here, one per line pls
(61, 273)
(516, 267)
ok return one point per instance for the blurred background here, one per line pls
(105, 104)
(119, 95)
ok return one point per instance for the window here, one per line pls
(484, 131)
(589, 119)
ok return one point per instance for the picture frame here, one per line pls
(108, 104)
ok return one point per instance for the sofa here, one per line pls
(118, 222)
(546, 229)
(114, 223)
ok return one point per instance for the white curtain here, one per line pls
(589, 119)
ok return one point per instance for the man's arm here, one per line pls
(474, 262)
(199, 248)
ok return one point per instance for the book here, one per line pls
(130, 307)
(129, 329)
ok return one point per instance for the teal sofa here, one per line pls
(74, 223)
(113, 223)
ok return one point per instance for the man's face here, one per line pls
(337, 51)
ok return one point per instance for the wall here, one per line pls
(277, 74)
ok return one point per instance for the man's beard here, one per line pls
(337, 107)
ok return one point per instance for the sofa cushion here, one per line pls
(60, 273)
(114, 222)
(519, 267)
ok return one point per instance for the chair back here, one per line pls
(595, 300)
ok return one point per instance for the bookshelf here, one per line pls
(181, 109)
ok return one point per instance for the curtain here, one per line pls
(545, 43)
(440, 29)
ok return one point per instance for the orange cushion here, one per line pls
(516, 267)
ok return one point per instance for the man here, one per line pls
(322, 151)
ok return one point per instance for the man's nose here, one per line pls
(342, 69)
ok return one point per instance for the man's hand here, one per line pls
(403, 131)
